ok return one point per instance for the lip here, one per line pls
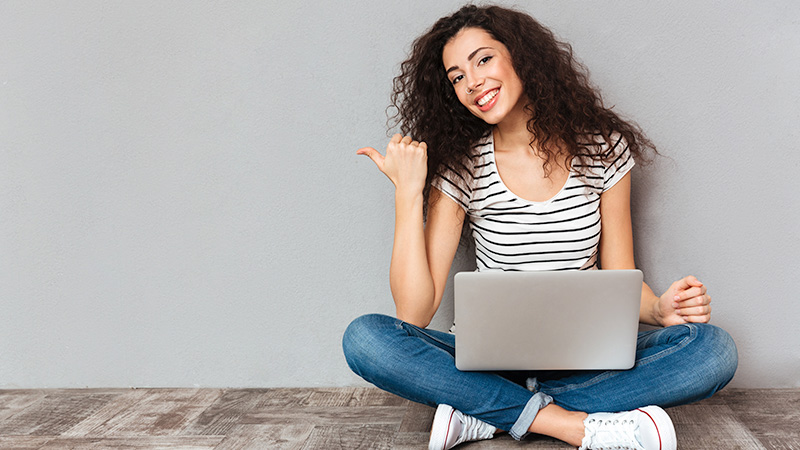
(491, 103)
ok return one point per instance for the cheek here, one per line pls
(517, 82)
(462, 97)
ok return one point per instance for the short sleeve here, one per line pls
(454, 184)
(617, 161)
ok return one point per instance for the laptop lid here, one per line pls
(571, 320)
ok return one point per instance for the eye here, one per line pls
(484, 60)
(456, 79)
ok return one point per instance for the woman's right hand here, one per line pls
(405, 163)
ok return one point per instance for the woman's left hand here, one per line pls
(685, 301)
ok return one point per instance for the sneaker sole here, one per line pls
(664, 427)
(441, 427)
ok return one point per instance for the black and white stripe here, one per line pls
(512, 233)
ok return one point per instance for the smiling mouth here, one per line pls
(487, 97)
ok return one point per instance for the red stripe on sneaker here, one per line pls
(447, 433)
(654, 424)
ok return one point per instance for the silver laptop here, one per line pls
(570, 320)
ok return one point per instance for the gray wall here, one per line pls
(181, 203)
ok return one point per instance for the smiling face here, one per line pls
(484, 79)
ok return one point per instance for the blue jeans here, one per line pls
(674, 365)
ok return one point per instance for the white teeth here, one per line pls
(488, 97)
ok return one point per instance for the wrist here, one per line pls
(409, 196)
(658, 318)
(407, 207)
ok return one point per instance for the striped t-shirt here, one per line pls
(512, 233)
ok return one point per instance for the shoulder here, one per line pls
(605, 157)
(603, 150)
(601, 146)
(614, 148)
(461, 176)
(616, 158)
(464, 167)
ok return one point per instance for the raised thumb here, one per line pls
(373, 154)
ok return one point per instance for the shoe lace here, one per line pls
(613, 433)
(474, 429)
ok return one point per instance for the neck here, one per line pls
(513, 134)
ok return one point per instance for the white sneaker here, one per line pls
(648, 428)
(452, 427)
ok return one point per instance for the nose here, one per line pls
(474, 82)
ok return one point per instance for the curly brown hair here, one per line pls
(563, 107)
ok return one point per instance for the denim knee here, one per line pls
(718, 355)
(361, 341)
(724, 350)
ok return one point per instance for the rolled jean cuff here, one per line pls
(537, 402)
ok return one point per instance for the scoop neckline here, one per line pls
(517, 197)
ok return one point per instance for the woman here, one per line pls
(504, 130)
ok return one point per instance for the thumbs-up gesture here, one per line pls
(405, 163)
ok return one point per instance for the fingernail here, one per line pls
(677, 297)
(675, 305)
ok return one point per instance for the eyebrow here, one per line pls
(469, 58)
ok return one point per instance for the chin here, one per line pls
(491, 119)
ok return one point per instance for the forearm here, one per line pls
(648, 310)
(409, 276)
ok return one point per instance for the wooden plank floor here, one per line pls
(333, 418)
